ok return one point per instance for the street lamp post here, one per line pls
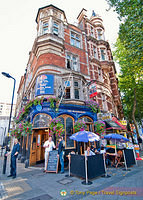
(9, 76)
(5, 156)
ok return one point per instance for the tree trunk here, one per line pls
(133, 113)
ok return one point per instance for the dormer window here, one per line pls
(45, 27)
(75, 39)
(55, 28)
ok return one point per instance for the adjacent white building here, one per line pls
(4, 119)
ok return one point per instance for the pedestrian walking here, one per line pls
(61, 153)
(48, 145)
(14, 154)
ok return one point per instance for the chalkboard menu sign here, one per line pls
(129, 156)
(53, 161)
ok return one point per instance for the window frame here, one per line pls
(65, 117)
(100, 34)
(55, 27)
(76, 88)
(75, 39)
(45, 25)
(103, 54)
(70, 59)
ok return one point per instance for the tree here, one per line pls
(129, 54)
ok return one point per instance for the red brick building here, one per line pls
(77, 54)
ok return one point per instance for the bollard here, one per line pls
(4, 163)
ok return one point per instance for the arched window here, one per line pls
(67, 121)
(41, 120)
(89, 123)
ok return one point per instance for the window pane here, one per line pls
(72, 35)
(67, 93)
(77, 37)
(45, 24)
(75, 84)
(69, 132)
(102, 54)
(76, 93)
(78, 44)
(45, 30)
(72, 41)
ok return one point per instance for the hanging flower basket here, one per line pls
(54, 103)
(100, 128)
(79, 126)
(22, 129)
(93, 105)
(56, 128)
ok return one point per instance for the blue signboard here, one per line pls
(44, 84)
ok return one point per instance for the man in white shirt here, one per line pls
(48, 145)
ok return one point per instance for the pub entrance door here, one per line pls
(37, 141)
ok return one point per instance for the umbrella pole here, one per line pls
(84, 146)
(115, 147)
(86, 182)
(68, 175)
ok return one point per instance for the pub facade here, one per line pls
(70, 62)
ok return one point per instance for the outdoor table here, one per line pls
(113, 157)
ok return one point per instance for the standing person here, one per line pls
(48, 145)
(61, 153)
(14, 155)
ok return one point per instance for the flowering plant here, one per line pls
(37, 101)
(22, 129)
(79, 126)
(93, 105)
(99, 127)
(54, 102)
(56, 127)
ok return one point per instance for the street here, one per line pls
(32, 184)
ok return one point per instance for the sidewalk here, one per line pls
(33, 184)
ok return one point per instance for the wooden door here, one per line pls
(33, 150)
(38, 146)
(44, 137)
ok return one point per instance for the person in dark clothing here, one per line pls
(14, 155)
(61, 153)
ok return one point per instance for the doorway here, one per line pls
(37, 141)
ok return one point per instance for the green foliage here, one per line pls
(56, 127)
(129, 54)
(38, 101)
(93, 105)
(22, 129)
(79, 126)
(99, 127)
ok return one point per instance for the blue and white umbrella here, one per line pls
(116, 137)
(85, 136)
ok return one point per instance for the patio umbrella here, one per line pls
(116, 138)
(85, 136)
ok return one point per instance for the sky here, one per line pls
(18, 31)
